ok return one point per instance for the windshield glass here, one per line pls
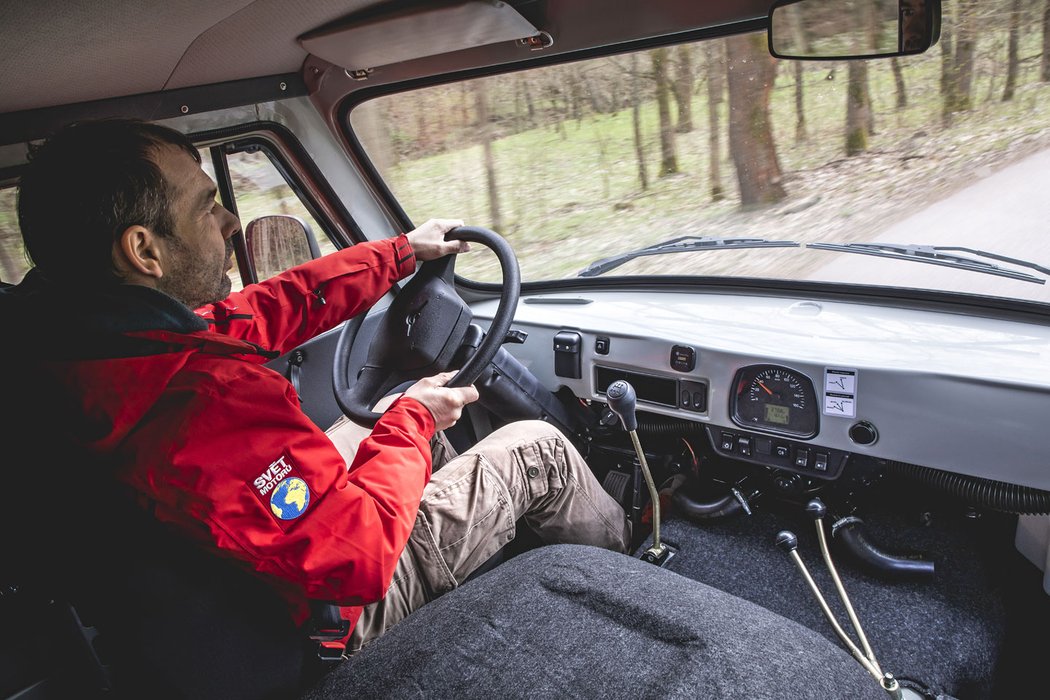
(586, 161)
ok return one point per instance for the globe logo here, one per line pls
(290, 498)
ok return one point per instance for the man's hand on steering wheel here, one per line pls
(428, 240)
(444, 403)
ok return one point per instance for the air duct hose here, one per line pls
(850, 532)
(985, 493)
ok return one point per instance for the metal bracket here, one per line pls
(537, 42)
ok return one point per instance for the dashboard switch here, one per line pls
(820, 462)
(802, 457)
(744, 446)
(728, 442)
(781, 450)
(601, 345)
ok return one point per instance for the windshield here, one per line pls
(587, 161)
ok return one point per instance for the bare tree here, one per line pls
(683, 87)
(957, 74)
(668, 150)
(1012, 49)
(636, 122)
(1044, 68)
(750, 74)
(800, 107)
(858, 108)
(898, 83)
(715, 53)
(484, 130)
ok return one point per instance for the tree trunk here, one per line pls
(485, 135)
(1011, 51)
(800, 110)
(947, 67)
(857, 108)
(715, 90)
(898, 81)
(636, 122)
(668, 151)
(1044, 69)
(683, 88)
(750, 74)
(965, 52)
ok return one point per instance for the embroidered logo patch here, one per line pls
(285, 492)
(290, 498)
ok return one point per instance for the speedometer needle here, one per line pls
(765, 388)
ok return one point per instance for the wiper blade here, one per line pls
(680, 245)
(933, 256)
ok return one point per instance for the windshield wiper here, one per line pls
(680, 245)
(931, 255)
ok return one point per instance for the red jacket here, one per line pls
(216, 443)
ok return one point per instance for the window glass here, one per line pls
(13, 263)
(261, 190)
(585, 161)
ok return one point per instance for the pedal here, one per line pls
(615, 484)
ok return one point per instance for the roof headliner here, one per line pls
(62, 52)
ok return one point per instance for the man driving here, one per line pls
(166, 383)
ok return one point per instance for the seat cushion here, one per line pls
(576, 621)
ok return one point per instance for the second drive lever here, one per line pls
(622, 400)
(788, 542)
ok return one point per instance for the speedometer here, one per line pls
(775, 399)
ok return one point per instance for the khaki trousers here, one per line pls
(469, 509)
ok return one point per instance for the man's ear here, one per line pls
(138, 252)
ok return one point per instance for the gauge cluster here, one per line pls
(775, 399)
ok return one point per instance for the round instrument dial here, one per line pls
(775, 399)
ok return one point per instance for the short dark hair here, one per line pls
(86, 185)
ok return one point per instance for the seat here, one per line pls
(576, 621)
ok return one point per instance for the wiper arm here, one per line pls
(680, 245)
(931, 255)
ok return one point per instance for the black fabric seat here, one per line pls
(578, 622)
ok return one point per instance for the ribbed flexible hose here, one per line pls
(986, 493)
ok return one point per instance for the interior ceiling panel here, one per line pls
(80, 50)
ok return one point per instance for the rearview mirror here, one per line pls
(276, 243)
(845, 29)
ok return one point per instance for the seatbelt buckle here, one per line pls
(331, 652)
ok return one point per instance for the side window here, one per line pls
(13, 263)
(260, 189)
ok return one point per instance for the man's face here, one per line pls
(200, 253)
(913, 16)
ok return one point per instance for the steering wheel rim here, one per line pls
(426, 306)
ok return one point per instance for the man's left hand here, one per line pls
(428, 241)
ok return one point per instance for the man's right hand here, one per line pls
(444, 403)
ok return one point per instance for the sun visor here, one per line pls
(371, 40)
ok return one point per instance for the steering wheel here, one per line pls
(423, 331)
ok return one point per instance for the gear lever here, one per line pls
(788, 542)
(622, 400)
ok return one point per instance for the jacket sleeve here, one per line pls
(289, 309)
(273, 491)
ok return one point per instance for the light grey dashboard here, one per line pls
(960, 393)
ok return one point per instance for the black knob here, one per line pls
(622, 400)
(787, 541)
(816, 509)
(863, 433)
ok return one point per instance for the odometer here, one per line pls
(775, 399)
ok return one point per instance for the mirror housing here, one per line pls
(276, 243)
(822, 30)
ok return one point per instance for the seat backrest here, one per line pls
(172, 620)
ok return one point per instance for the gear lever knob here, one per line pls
(622, 401)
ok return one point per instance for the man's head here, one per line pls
(114, 201)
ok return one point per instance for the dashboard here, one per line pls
(802, 384)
